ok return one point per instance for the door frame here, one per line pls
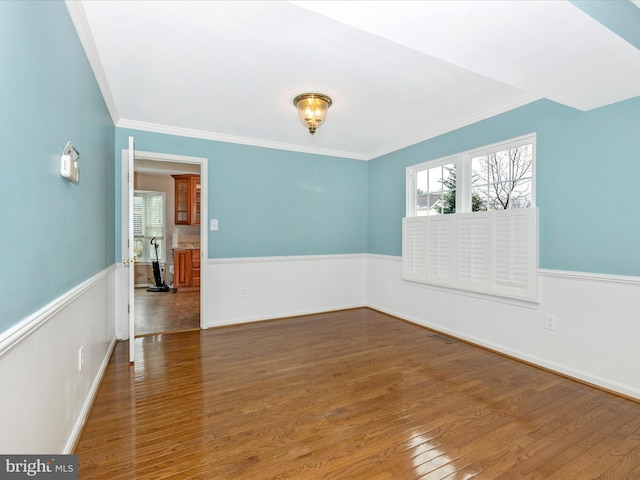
(204, 216)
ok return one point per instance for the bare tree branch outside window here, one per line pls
(502, 179)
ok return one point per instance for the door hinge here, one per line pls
(129, 308)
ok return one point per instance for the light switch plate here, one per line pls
(213, 224)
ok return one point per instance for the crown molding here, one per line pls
(219, 137)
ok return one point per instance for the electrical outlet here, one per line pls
(80, 358)
(244, 292)
(550, 322)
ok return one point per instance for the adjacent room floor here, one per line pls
(350, 395)
(162, 312)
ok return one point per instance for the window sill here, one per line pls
(525, 302)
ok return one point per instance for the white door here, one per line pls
(131, 259)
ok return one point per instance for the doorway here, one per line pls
(177, 308)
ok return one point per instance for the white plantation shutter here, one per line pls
(138, 216)
(148, 222)
(489, 252)
(154, 215)
(414, 242)
(514, 251)
(473, 250)
(440, 248)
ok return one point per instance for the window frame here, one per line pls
(492, 252)
(148, 252)
(462, 162)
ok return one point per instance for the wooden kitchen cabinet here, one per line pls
(195, 268)
(186, 268)
(187, 199)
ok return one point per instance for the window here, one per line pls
(436, 189)
(502, 179)
(470, 221)
(497, 177)
(148, 223)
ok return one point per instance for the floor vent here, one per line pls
(442, 338)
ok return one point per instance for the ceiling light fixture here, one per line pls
(312, 109)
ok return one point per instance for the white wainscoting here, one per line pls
(45, 397)
(598, 320)
(250, 289)
(598, 324)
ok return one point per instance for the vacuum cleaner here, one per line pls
(160, 286)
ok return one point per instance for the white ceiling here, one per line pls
(398, 72)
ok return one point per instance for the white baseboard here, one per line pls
(576, 374)
(597, 328)
(239, 321)
(86, 409)
(596, 314)
(241, 290)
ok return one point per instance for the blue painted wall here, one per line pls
(620, 16)
(587, 171)
(55, 235)
(270, 202)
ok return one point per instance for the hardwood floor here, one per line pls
(347, 395)
(161, 312)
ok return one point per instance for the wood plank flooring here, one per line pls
(161, 312)
(346, 395)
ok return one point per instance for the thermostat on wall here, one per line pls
(69, 163)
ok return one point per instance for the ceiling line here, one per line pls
(622, 18)
(504, 107)
(81, 24)
(220, 137)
